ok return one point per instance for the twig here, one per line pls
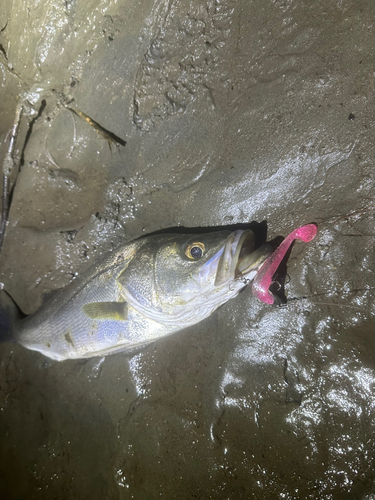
(8, 166)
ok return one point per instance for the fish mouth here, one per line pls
(240, 258)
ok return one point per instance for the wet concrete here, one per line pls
(232, 112)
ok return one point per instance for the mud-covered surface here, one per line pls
(231, 112)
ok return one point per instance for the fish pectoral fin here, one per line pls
(106, 310)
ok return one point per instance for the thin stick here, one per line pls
(8, 166)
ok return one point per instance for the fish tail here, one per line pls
(10, 316)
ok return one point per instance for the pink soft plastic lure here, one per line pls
(263, 279)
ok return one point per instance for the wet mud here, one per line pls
(231, 112)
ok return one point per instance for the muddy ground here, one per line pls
(232, 112)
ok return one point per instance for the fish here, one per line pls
(143, 291)
(146, 290)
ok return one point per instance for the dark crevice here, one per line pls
(29, 132)
(259, 229)
(4, 27)
(2, 50)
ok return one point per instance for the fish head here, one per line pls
(179, 278)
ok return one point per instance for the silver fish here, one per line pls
(144, 290)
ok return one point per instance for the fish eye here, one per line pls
(195, 250)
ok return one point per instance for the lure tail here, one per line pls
(10, 316)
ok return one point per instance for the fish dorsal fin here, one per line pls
(106, 310)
